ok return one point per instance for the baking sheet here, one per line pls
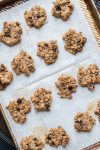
(62, 111)
(52, 30)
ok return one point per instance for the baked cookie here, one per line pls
(89, 77)
(83, 122)
(18, 109)
(42, 99)
(48, 51)
(97, 111)
(56, 137)
(32, 143)
(11, 34)
(5, 77)
(62, 9)
(23, 63)
(36, 17)
(74, 41)
(66, 85)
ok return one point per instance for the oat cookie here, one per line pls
(89, 77)
(36, 17)
(23, 63)
(66, 85)
(48, 51)
(83, 122)
(32, 143)
(18, 109)
(97, 112)
(74, 41)
(42, 99)
(62, 9)
(11, 34)
(5, 77)
(57, 137)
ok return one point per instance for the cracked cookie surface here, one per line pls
(83, 122)
(36, 17)
(42, 99)
(74, 41)
(23, 63)
(97, 111)
(11, 34)
(66, 85)
(18, 109)
(5, 77)
(32, 143)
(48, 51)
(56, 137)
(89, 77)
(62, 9)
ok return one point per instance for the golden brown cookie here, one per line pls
(62, 9)
(74, 41)
(36, 17)
(5, 77)
(48, 51)
(97, 111)
(11, 34)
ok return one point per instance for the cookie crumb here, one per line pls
(23, 63)
(66, 85)
(11, 34)
(83, 122)
(36, 17)
(18, 109)
(74, 41)
(97, 111)
(42, 99)
(89, 77)
(5, 77)
(48, 51)
(56, 137)
(62, 9)
(32, 143)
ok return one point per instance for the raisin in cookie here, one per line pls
(74, 41)
(18, 109)
(83, 122)
(48, 51)
(66, 85)
(56, 137)
(36, 17)
(5, 77)
(89, 77)
(42, 99)
(97, 111)
(23, 63)
(31, 143)
(62, 9)
(11, 34)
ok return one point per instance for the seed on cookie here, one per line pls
(83, 122)
(48, 51)
(97, 111)
(5, 77)
(74, 41)
(18, 109)
(36, 17)
(66, 85)
(56, 137)
(89, 77)
(42, 99)
(32, 143)
(11, 34)
(23, 63)
(62, 9)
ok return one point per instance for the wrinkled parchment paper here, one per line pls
(62, 111)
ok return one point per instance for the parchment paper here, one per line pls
(62, 111)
